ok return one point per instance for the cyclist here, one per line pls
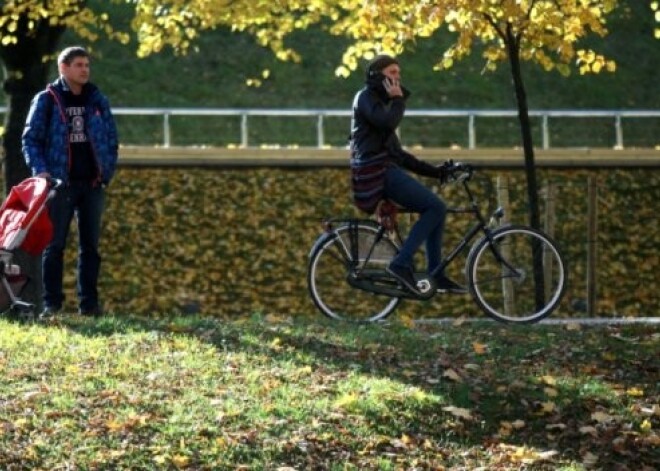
(377, 169)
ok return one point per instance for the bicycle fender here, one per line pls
(322, 239)
(343, 225)
(480, 241)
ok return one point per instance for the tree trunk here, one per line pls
(513, 46)
(26, 73)
(525, 129)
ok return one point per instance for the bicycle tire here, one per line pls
(329, 270)
(513, 297)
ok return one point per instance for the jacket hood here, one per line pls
(375, 83)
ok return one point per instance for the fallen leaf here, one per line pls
(30, 395)
(458, 412)
(479, 348)
(645, 426)
(451, 374)
(549, 380)
(619, 444)
(589, 430)
(655, 410)
(601, 417)
(180, 461)
(525, 455)
(555, 427)
(114, 426)
(274, 319)
(505, 429)
(652, 440)
(546, 407)
(547, 455)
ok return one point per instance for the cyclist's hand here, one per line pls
(444, 171)
(392, 87)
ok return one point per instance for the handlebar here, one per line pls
(457, 172)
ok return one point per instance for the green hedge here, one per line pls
(232, 242)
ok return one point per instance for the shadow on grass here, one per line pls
(532, 386)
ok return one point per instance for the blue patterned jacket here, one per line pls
(46, 135)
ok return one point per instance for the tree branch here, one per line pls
(495, 26)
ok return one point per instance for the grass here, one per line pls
(300, 393)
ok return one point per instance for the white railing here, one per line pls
(320, 114)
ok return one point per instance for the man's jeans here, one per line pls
(406, 191)
(87, 202)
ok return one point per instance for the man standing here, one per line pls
(70, 135)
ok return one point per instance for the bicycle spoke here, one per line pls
(518, 279)
(346, 289)
(336, 251)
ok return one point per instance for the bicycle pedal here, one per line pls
(424, 285)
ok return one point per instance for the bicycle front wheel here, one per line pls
(517, 275)
(344, 279)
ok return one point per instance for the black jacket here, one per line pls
(375, 118)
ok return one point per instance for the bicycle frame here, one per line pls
(499, 263)
(480, 226)
(353, 261)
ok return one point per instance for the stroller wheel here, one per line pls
(22, 311)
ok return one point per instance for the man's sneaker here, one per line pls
(49, 312)
(405, 275)
(445, 285)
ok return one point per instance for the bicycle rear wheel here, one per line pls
(520, 278)
(345, 270)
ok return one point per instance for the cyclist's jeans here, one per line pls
(406, 191)
(86, 201)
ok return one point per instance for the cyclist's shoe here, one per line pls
(404, 275)
(446, 285)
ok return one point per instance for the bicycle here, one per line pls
(515, 273)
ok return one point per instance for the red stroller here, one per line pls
(24, 224)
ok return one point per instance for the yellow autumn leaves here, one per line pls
(545, 31)
(655, 6)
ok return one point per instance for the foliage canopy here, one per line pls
(88, 22)
(547, 31)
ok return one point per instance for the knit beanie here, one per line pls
(378, 63)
